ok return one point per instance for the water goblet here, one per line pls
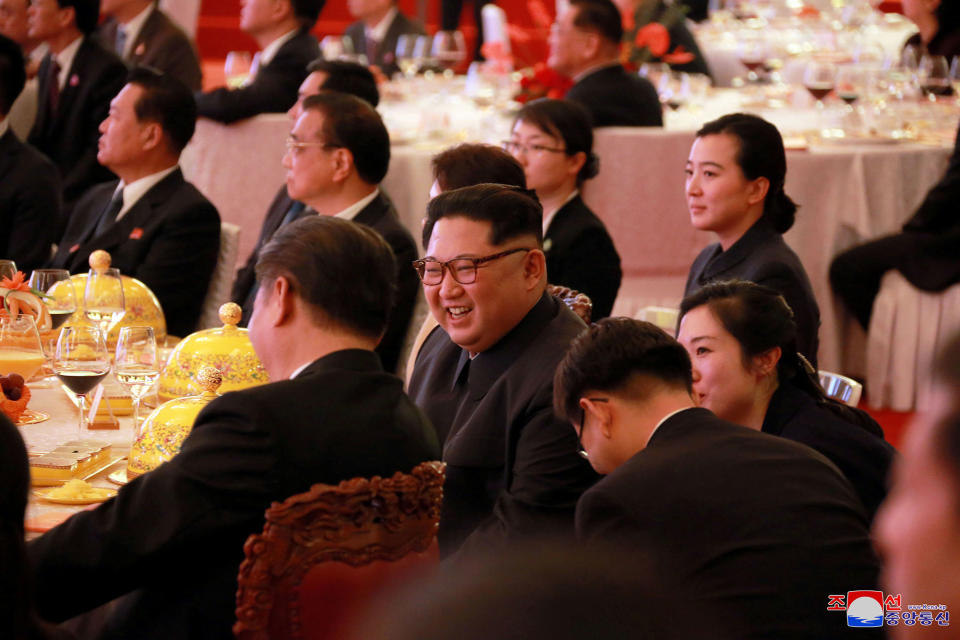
(103, 299)
(135, 366)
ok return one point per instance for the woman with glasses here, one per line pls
(553, 141)
(742, 342)
(734, 187)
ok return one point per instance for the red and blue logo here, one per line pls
(867, 608)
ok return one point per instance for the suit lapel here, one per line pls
(147, 32)
(43, 96)
(371, 214)
(737, 253)
(75, 81)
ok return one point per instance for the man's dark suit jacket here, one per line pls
(386, 51)
(581, 255)
(161, 44)
(172, 539)
(616, 98)
(863, 457)
(29, 203)
(762, 256)
(274, 88)
(70, 139)
(512, 465)
(759, 529)
(169, 239)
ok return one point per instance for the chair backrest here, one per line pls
(324, 554)
(221, 281)
(841, 388)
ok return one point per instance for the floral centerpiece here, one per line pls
(19, 298)
(542, 82)
(646, 35)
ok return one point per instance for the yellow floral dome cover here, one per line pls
(142, 307)
(168, 426)
(228, 348)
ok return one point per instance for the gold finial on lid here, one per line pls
(209, 379)
(99, 260)
(230, 313)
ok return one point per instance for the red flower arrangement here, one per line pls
(542, 82)
(647, 35)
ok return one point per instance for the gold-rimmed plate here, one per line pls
(104, 494)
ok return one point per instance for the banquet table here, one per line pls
(59, 428)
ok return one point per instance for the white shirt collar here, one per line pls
(351, 212)
(38, 52)
(300, 369)
(3, 127)
(65, 60)
(548, 216)
(379, 32)
(138, 188)
(603, 65)
(133, 28)
(271, 49)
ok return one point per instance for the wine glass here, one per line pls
(407, 59)
(934, 76)
(955, 76)
(61, 300)
(8, 268)
(449, 50)
(819, 78)
(236, 68)
(81, 361)
(20, 352)
(103, 301)
(135, 366)
(753, 54)
(850, 84)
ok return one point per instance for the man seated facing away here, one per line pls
(485, 375)
(77, 80)
(585, 45)
(378, 27)
(761, 529)
(171, 542)
(337, 154)
(142, 34)
(282, 31)
(156, 225)
(30, 185)
(323, 75)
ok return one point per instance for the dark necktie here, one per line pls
(53, 88)
(291, 214)
(110, 213)
(372, 45)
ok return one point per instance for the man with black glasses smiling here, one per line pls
(484, 376)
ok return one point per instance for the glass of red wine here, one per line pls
(934, 76)
(60, 298)
(81, 361)
(819, 78)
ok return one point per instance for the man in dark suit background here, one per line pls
(379, 24)
(282, 31)
(77, 80)
(585, 45)
(170, 543)
(925, 251)
(324, 75)
(30, 185)
(337, 154)
(760, 529)
(14, 25)
(484, 376)
(142, 34)
(157, 226)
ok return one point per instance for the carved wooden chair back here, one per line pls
(324, 554)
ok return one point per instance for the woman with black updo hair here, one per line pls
(734, 187)
(553, 141)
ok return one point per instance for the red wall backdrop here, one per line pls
(218, 27)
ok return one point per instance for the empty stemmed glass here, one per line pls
(933, 74)
(8, 268)
(135, 366)
(81, 361)
(61, 301)
(407, 54)
(103, 300)
(449, 50)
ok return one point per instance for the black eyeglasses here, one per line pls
(463, 270)
(583, 419)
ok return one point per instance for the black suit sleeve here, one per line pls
(217, 486)
(273, 90)
(408, 285)
(591, 265)
(938, 212)
(35, 211)
(189, 244)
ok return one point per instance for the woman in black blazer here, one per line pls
(553, 141)
(741, 338)
(735, 175)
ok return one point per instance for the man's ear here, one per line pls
(152, 135)
(534, 268)
(600, 413)
(342, 164)
(280, 301)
